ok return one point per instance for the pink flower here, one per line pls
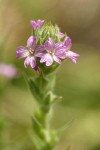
(29, 52)
(53, 52)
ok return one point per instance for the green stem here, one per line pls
(41, 120)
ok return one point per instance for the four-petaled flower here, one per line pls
(29, 52)
(37, 24)
(53, 52)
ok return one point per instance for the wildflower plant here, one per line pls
(46, 49)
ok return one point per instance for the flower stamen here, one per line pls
(31, 51)
(52, 53)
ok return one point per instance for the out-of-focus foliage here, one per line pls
(78, 84)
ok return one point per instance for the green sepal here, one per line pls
(39, 41)
(57, 39)
(57, 30)
(63, 38)
(44, 32)
(45, 38)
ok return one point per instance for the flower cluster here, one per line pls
(47, 45)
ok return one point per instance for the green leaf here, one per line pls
(35, 90)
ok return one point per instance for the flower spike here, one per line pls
(49, 46)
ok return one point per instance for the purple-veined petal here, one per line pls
(44, 58)
(73, 56)
(56, 59)
(21, 52)
(34, 24)
(32, 62)
(39, 53)
(61, 53)
(60, 45)
(31, 42)
(49, 44)
(40, 47)
(27, 62)
(49, 62)
(68, 43)
(47, 58)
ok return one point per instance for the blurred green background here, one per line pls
(78, 84)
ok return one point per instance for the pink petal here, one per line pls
(61, 53)
(60, 34)
(21, 52)
(46, 58)
(49, 44)
(34, 24)
(49, 62)
(59, 45)
(73, 56)
(32, 62)
(27, 62)
(39, 53)
(68, 43)
(40, 23)
(31, 42)
(56, 59)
